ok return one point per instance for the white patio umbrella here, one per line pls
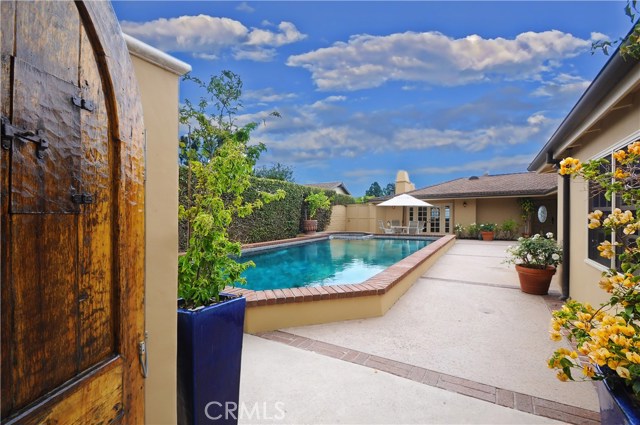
(404, 200)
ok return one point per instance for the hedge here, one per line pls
(277, 220)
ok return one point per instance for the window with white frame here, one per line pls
(598, 201)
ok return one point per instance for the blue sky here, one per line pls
(439, 89)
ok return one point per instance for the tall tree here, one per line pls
(374, 190)
(390, 189)
(276, 171)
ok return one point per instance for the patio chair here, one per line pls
(386, 230)
(420, 227)
(413, 228)
(395, 222)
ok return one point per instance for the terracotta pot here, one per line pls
(310, 226)
(487, 236)
(535, 281)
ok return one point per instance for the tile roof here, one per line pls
(330, 186)
(516, 184)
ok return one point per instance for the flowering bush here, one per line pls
(536, 252)
(488, 227)
(608, 336)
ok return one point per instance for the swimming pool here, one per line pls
(334, 261)
(289, 307)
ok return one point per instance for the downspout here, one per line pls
(566, 228)
(566, 236)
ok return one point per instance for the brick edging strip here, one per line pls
(506, 398)
(378, 284)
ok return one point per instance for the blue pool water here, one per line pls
(328, 262)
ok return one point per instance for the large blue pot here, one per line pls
(209, 356)
(617, 405)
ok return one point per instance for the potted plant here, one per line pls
(527, 209)
(609, 336)
(536, 259)
(487, 231)
(316, 202)
(210, 322)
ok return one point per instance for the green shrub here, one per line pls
(508, 229)
(278, 220)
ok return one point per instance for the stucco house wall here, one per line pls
(158, 77)
(615, 131)
(606, 118)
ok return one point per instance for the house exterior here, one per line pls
(487, 199)
(337, 187)
(467, 200)
(604, 119)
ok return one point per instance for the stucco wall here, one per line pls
(497, 210)
(612, 130)
(464, 215)
(338, 219)
(159, 91)
(361, 218)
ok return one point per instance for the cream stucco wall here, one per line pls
(616, 128)
(338, 219)
(159, 92)
(497, 210)
(361, 218)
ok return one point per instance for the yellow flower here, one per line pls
(585, 317)
(606, 249)
(596, 215)
(620, 155)
(634, 148)
(619, 174)
(594, 224)
(587, 370)
(630, 228)
(562, 376)
(633, 357)
(628, 330)
(605, 284)
(555, 335)
(623, 372)
(570, 166)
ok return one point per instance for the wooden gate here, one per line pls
(72, 217)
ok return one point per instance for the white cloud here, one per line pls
(328, 102)
(562, 85)
(474, 140)
(493, 165)
(256, 55)
(244, 7)
(322, 131)
(367, 61)
(208, 36)
(288, 34)
(267, 95)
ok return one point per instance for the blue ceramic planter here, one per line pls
(209, 355)
(616, 405)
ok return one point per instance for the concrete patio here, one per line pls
(463, 345)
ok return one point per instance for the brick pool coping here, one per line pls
(379, 284)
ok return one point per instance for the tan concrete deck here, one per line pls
(463, 345)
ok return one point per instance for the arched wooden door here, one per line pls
(72, 217)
